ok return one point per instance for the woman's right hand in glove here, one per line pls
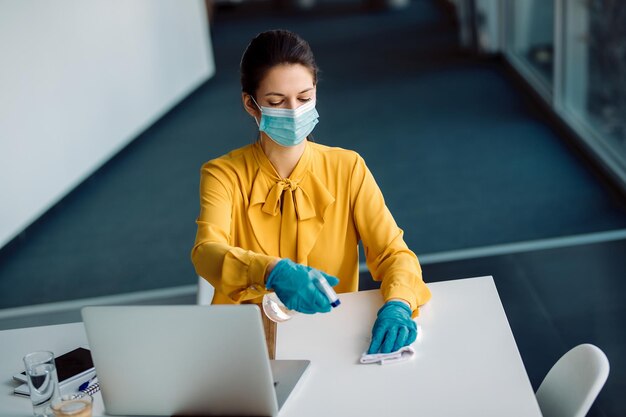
(294, 285)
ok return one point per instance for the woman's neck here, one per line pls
(283, 158)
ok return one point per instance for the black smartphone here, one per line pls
(69, 364)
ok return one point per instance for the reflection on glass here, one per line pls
(531, 35)
(595, 68)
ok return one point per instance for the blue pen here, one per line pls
(85, 384)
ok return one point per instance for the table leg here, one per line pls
(270, 335)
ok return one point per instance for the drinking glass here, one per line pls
(77, 404)
(43, 382)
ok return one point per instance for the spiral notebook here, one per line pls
(92, 388)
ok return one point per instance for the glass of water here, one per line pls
(43, 382)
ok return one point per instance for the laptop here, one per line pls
(187, 360)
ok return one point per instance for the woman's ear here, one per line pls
(249, 106)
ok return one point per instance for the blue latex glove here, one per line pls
(296, 289)
(393, 329)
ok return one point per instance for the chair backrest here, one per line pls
(205, 292)
(571, 386)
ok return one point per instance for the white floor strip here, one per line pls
(128, 298)
(508, 248)
(190, 290)
(528, 246)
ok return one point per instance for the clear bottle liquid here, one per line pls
(275, 310)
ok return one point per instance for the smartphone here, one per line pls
(68, 365)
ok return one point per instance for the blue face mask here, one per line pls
(288, 127)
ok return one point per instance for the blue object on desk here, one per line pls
(85, 385)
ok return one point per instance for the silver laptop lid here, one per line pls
(181, 360)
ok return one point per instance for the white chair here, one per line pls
(205, 292)
(572, 385)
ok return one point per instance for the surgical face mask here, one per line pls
(288, 127)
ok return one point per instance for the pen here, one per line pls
(85, 384)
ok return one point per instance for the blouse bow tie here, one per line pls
(301, 203)
(292, 195)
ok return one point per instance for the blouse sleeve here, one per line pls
(388, 257)
(235, 272)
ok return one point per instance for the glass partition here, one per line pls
(594, 72)
(573, 53)
(530, 38)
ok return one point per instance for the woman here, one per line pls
(273, 210)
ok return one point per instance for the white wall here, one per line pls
(79, 79)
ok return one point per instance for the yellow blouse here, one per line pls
(249, 216)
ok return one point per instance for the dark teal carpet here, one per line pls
(462, 157)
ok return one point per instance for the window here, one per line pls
(594, 73)
(530, 40)
(573, 53)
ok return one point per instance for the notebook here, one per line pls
(187, 360)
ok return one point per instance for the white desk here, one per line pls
(467, 361)
(14, 344)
